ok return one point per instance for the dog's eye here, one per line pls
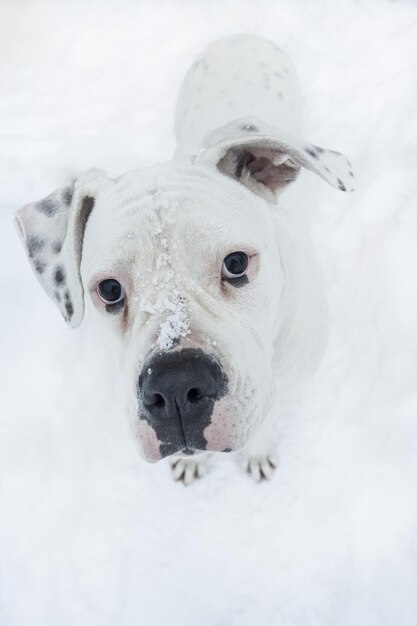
(110, 291)
(235, 265)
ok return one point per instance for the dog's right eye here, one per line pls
(235, 265)
(110, 291)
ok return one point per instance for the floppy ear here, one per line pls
(52, 232)
(266, 159)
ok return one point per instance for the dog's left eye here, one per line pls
(235, 265)
(110, 291)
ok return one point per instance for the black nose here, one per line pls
(181, 385)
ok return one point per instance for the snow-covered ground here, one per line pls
(90, 534)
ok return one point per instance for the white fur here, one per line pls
(237, 77)
(163, 233)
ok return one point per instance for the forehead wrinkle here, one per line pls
(211, 242)
(128, 224)
(235, 217)
(206, 208)
(184, 189)
(180, 180)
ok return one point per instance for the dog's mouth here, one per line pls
(170, 439)
(185, 408)
(178, 394)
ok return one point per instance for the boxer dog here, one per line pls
(206, 282)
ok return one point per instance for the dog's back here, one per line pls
(237, 77)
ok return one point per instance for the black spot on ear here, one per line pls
(68, 305)
(59, 275)
(69, 309)
(35, 244)
(238, 282)
(57, 247)
(341, 185)
(227, 450)
(350, 173)
(48, 206)
(250, 128)
(40, 266)
(67, 194)
(311, 152)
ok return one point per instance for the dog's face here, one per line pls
(180, 264)
(184, 278)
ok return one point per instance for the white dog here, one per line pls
(209, 286)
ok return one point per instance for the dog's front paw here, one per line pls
(260, 466)
(186, 470)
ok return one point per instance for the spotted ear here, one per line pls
(266, 159)
(52, 232)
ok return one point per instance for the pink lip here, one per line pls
(148, 441)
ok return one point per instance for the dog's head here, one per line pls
(181, 264)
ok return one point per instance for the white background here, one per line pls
(90, 534)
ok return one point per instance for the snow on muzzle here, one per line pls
(177, 396)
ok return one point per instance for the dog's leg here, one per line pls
(259, 456)
(186, 469)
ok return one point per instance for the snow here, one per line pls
(170, 309)
(175, 324)
(90, 534)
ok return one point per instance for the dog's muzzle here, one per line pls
(178, 391)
